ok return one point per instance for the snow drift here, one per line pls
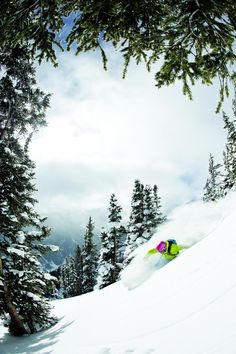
(187, 306)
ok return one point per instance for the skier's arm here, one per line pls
(150, 252)
(181, 247)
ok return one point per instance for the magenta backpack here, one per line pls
(161, 247)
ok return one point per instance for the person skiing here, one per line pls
(169, 249)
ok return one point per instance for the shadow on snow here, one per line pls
(35, 343)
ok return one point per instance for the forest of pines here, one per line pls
(91, 268)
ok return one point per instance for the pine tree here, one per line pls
(22, 110)
(149, 212)
(69, 278)
(152, 213)
(159, 217)
(146, 216)
(106, 269)
(109, 265)
(89, 255)
(116, 231)
(114, 216)
(136, 226)
(229, 155)
(79, 270)
(213, 183)
(121, 246)
(22, 229)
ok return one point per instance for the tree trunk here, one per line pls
(16, 326)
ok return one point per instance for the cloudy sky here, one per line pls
(104, 132)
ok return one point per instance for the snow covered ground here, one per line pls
(186, 307)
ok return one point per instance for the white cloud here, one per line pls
(104, 132)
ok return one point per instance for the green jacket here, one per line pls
(174, 251)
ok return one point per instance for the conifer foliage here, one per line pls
(136, 223)
(79, 270)
(111, 245)
(229, 155)
(106, 271)
(213, 183)
(89, 255)
(159, 217)
(116, 231)
(71, 275)
(222, 178)
(144, 218)
(152, 210)
(23, 284)
(191, 39)
(68, 278)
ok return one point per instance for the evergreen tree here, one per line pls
(213, 184)
(106, 269)
(22, 110)
(145, 217)
(152, 213)
(121, 246)
(79, 270)
(114, 216)
(111, 247)
(148, 212)
(69, 278)
(159, 218)
(229, 155)
(22, 229)
(116, 231)
(89, 255)
(136, 225)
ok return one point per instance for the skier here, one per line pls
(169, 249)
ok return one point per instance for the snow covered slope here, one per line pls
(186, 307)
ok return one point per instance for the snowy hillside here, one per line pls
(186, 307)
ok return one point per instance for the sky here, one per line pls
(186, 306)
(104, 132)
